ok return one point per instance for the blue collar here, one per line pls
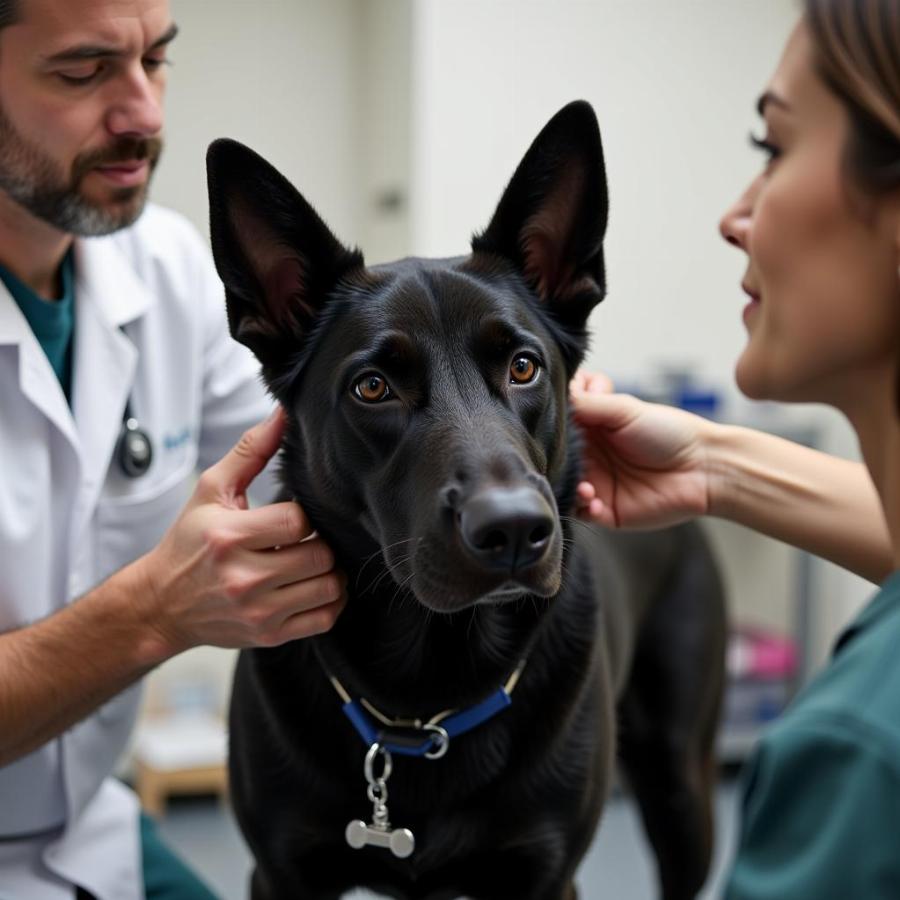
(416, 737)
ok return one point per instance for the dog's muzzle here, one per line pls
(506, 530)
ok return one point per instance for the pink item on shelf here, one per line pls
(756, 653)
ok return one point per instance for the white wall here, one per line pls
(675, 87)
(386, 135)
(283, 77)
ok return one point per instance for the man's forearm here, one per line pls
(57, 671)
(819, 503)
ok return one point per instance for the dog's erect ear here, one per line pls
(551, 219)
(277, 258)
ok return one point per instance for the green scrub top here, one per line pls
(821, 805)
(52, 321)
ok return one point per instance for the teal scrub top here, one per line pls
(821, 806)
(52, 321)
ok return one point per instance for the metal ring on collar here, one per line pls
(374, 750)
(440, 738)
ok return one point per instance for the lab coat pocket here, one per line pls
(129, 525)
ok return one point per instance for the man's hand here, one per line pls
(223, 574)
(231, 576)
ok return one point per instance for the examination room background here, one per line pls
(400, 121)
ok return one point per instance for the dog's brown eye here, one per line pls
(522, 370)
(372, 388)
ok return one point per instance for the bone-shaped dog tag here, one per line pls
(400, 841)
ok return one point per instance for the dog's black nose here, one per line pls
(506, 529)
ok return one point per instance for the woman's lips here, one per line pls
(125, 174)
(751, 307)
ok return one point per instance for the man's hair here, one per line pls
(9, 12)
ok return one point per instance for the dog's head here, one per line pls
(427, 399)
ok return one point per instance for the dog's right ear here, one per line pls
(277, 258)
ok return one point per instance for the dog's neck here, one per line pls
(409, 660)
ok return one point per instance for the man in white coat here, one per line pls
(108, 566)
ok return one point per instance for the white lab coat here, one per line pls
(149, 324)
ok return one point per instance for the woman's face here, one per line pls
(824, 312)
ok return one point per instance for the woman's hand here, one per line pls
(644, 463)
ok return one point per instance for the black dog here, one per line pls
(430, 443)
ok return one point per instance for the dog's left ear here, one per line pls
(551, 219)
(277, 258)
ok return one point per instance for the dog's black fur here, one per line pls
(429, 441)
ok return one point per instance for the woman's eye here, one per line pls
(523, 370)
(372, 388)
(766, 146)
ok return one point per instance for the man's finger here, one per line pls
(274, 525)
(302, 596)
(249, 456)
(299, 562)
(314, 621)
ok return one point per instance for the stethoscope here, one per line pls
(134, 449)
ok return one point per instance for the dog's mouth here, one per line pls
(508, 592)
(446, 582)
(451, 598)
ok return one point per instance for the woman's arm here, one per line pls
(648, 465)
(820, 503)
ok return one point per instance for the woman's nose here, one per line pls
(735, 224)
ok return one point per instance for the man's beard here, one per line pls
(39, 184)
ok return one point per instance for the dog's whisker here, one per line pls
(389, 570)
(402, 592)
(379, 552)
(402, 587)
(471, 623)
(366, 562)
(376, 581)
(574, 520)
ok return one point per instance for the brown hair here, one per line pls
(857, 47)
